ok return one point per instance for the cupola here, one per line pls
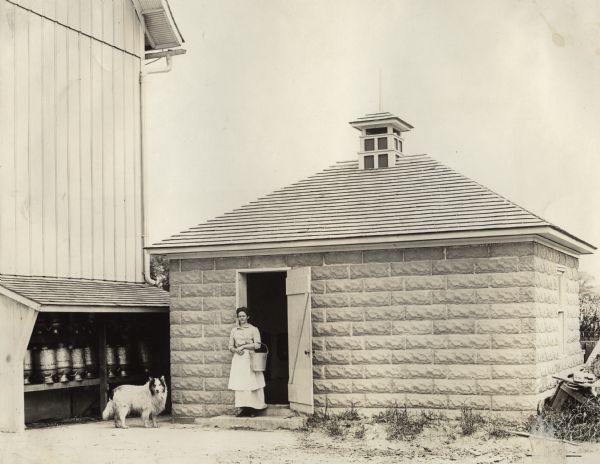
(381, 140)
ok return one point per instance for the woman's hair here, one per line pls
(242, 309)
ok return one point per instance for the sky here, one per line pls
(507, 92)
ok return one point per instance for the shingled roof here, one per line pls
(417, 196)
(56, 291)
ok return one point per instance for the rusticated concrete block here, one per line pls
(187, 277)
(484, 265)
(187, 357)
(191, 290)
(420, 312)
(330, 272)
(512, 249)
(467, 251)
(217, 357)
(370, 299)
(372, 328)
(504, 387)
(317, 286)
(358, 271)
(426, 341)
(419, 254)
(197, 397)
(218, 303)
(174, 265)
(468, 281)
(426, 401)
(454, 326)
(528, 325)
(196, 343)
(469, 341)
(220, 330)
(455, 387)
(203, 264)
(372, 386)
(470, 401)
(333, 386)
(371, 357)
(412, 327)
(412, 356)
(343, 257)
(421, 371)
(524, 371)
(513, 341)
(508, 356)
(344, 285)
(411, 268)
(528, 263)
(414, 297)
(384, 313)
(454, 266)
(192, 370)
(228, 290)
(344, 372)
(218, 277)
(512, 310)
(242, 262)
(219, 409)
(344, 314)
(318, 372)
(317, 315)
(515, 403)
(392, 342)
(306, 259)
(216, 384)
(186, 304)
(227, 316)
(188, 410)
(331, 357)
(457, 296)
(385, 371)
(498, 295)
(187, 330)
(498, 326)
(379, 284)
(385, 400)
(330, 300)
(187, 383)
(331, 329)
(513, 279)
(175, 317)
(274, 261)
(469, 372)
(463, 356)
(468, 311)
(425, 282)
(344, 343)
(197, 317)
(383, 256)
(413, 385)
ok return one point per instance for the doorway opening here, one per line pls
(267, 302)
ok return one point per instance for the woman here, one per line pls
(248, 385)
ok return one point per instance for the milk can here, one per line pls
(27, 367)
(91, 363)
(77, 358)
(144, 356)
(123, 361)
(46, 363)
(63, 362)
(111, 361)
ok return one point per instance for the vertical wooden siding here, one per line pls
(70, 200)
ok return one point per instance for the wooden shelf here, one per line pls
(60, 385)
(131, 379)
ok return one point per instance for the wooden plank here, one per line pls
(23, 206)
(97, 24)
(128, 26)
(593, 355)
(62, 11)
(36, 193)
(74, 155)
(85, 16)
(107, 19)
(130, 160)
(49, 147)
(73, 14)
(108, 162)
(85, 150)
(97, 163)
(62, 165)
(7, 135)
(61, 385)
(49, 8)
(120, 251)
(139, 260)
(119, 25)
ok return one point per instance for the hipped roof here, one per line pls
(418, 197)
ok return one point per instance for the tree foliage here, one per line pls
(589, 308)
(159, 271)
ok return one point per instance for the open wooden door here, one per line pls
(300, 383)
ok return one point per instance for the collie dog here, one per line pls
(148, 400)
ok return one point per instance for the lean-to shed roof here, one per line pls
(417, 197)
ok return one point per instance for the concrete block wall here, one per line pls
(440, 327)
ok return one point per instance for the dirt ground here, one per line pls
(101, 443)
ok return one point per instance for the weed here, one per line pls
(400, 425)
(350, 414)
(469, 420)
(579, 422)
(360, 431)
(497, 427)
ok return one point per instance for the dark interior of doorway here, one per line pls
(267, 303)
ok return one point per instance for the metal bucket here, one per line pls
(111, 361)
(122, 356)
(78, 362)
(63, 362)
(258, 361)
(91, 364)
(46, 363)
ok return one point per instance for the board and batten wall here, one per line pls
(70, 148)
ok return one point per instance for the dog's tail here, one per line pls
(109, 411)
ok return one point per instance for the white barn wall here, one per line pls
(70, 199)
